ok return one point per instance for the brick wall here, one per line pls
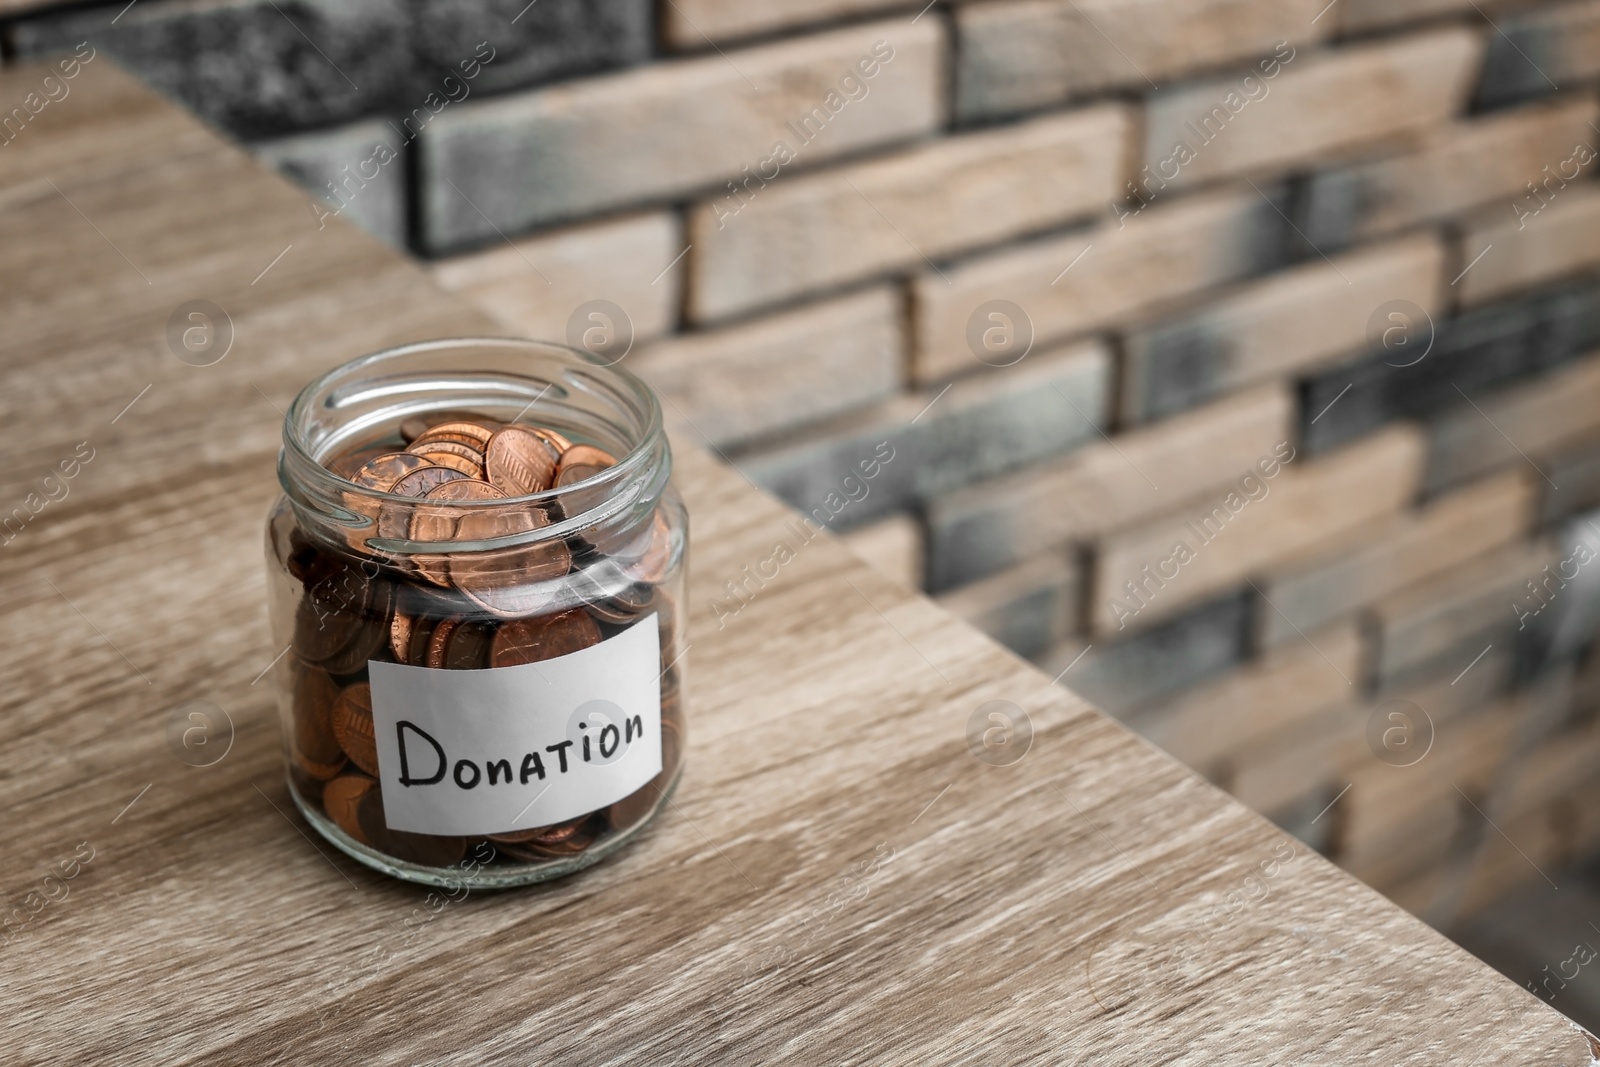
(1241, 358)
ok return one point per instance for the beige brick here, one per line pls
(893, 546)
(1562, 238)
(1398, 552)
(1319, 752)
(1385, 801)
(1318, 106)
(1543, 416)
(1466, 164)
(672, 129)
(1029, 608)
(780, 372)
(761, 243)
(1309, 504)
(1203, 726)
(1103, 276)
(1521, 853)
(1103, 486)
(696, 23)
(535, 286)
(1289, 322)
(1403, 848)
(1031, 53)
(1435, 616)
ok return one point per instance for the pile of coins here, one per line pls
(461, 610)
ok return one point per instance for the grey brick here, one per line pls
(330, 165)
(1125, 676)
(1511, 66)
(261, 69)
(1483, 348)
(1186, 363)
(1577, 474)
(996, 423)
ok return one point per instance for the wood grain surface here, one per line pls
(839, 879)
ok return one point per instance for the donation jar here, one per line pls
(476, 572)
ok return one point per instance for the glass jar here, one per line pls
(475, 573)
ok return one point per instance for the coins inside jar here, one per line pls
(493, 595)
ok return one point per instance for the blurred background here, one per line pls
(1236, 361)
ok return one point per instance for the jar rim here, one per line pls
(297, 445)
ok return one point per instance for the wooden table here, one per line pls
(839, 880)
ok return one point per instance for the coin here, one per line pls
(384, 470)
(571, 842)
(439, 643)
(464, 430)
(531, 640)
(467, 648)
(581, 462)
(435, 452)
(427, 850)
(560, 443)
(349, 462)
(635, 807)
(352, 725)
(341, 799)
(558, 832)
(314, 695)
(435, 520)
(394, 519)
(421, 637)
(400, 628)
(519, 461)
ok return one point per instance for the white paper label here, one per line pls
(510, 748)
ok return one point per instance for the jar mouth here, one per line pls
(510, 379)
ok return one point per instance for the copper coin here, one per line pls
(400, 628)
(519, 461)
(413, 427)
(331, 612)
(341, 799)
(352, 725)
(467, 647)
(531, 640)
(367, 639)
(434, 452)
(314, 696)
(439, 643)
(383, 471)
(439, 523)
(635, 807)
(427, 850)
(394, 519)
(558, 832)
(581, 462)
(353, 458)
(587, 830)
(461, 430)
(561, 443)
(421, 637)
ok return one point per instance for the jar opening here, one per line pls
(536, 383)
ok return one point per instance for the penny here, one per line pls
(531, 640)
(519, 461)
(400, 628)
(476, 432)
(383, 471)
(435, 520)
(582, 462)
(314, 696)
(330, 613)
(467, 647)
(341, 799)
(558, 832)
(633, 808)
(394, 519)
(439, 643)
(427, 850)
(561, 443)
(348, 463)
(352, 725)
(585, 831)
(421, 637)
(435, 452)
